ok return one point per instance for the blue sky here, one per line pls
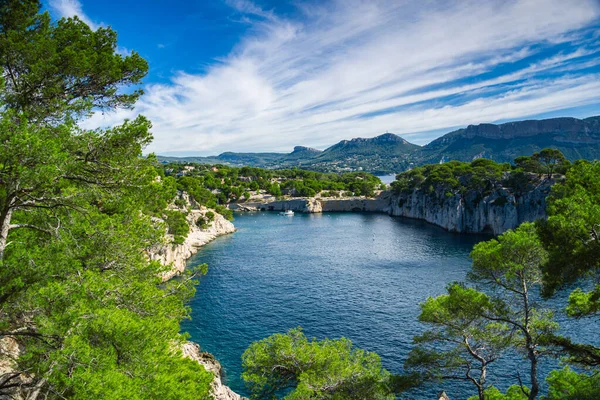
(241, 75)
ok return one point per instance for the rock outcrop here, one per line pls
(219, 390)
(9, 352)
(177, 255)
(332, 204)
(474, 212)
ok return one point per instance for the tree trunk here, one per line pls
(481, 385)
(535, 386)
(5, 218)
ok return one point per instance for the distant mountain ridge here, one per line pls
(390, 153)
(575, 138)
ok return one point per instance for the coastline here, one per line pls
(472, 212)
(176, 256)
(475, 212)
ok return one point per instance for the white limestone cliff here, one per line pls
(474, 212)
(177, 255)
(219, 390)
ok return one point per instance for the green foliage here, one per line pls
(291, 365)
(548, 161)
(274, 189)
(180, 203)
(451, 177)
(481, 174)
(464, 340)
(571, 234)
(513, 259)
(212, 185)
(512, 393)
(177, 225)
(210, 216)
(551, 160)
(509, 267)
(566, 384)
(528, 164)
(63, 68)
(205, 221)
(225, 212)
(89, 310)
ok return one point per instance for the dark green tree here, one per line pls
(550, 160)
(463, 341)
(57, 70)
(512, 267)
(566, 384)
(77, 291)
(571, 234)
(305, 369)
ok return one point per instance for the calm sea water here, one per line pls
(387, 179)
(360, 276)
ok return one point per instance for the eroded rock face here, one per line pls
(219, 390)
(177, 255)
(330, 204)
(9, 352)
(474, 212)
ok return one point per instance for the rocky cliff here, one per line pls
(495, 211)
(474, 212)
(177, 255)
(333, 204)
(219, 390)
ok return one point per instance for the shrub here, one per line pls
(177, 225)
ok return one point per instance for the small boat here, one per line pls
(287, 213)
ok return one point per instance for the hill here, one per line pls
(381, 154)
(575, 138)
(389, 153)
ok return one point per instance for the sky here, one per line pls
(257, 76)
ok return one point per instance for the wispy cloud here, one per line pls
(351, 68)
(71, 8)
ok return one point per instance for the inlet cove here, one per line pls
(299, 200)
(354, 275)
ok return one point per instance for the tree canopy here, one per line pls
(78, 294)
(290, 365)
(57, 70)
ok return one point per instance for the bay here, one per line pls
(356, 275)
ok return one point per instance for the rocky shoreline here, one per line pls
(219, 390)
(177, 255)
(493, 212)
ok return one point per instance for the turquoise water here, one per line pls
(361, 276)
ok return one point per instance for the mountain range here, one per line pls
(390, 153)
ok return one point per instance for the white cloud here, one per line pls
(352, 68)
(71, 8)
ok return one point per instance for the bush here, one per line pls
(304, 369)
(224, 211)
(177, 225)
(205, 221)
(181, 203)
